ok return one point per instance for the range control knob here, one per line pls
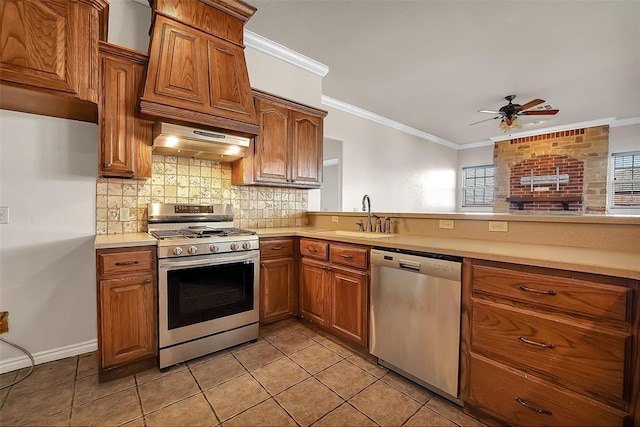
(234, 246)
(246, 245)
(214, 248)
(193, 250)
(177, 251)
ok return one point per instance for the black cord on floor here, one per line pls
(33, 363)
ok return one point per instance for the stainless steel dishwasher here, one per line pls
(415, 316)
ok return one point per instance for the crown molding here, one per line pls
(360, 112)
(625, 122)
(283, 53)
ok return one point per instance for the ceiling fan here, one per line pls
(510, 112)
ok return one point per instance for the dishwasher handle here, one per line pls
(409, 265)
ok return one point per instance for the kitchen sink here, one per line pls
(359, 234)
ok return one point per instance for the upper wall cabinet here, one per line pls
(197, 70)
(49, 56)
(288, 151)
(125, 139)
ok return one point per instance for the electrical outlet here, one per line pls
(4, 322)
(335, 219)
(446, 223)
(124, 214)
(502, 226)
(4, 215)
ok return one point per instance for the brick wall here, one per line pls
(581, 153)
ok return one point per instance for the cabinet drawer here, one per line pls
(573, 295)
(585, 360)
(125, 262)
(349, 255)
(272, 248)
(314, 248)
(525, 400)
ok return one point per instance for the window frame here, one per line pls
(611, 206)
(465, 188)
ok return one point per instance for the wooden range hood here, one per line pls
(197, 73)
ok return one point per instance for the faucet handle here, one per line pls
(378, 224)
(360, 225)
(387, 225)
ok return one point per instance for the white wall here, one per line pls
(624, 139)
(48, 170)
(399, 172)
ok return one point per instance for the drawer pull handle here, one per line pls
(277, 248)
(533, 408)
(539, 344)
(347, 256)
(537, 291)
(136, 262)
(311, 249)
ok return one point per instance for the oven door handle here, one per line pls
(181, 262)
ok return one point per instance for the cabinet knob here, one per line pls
(147, 281)
(262, 265)
(107, 165)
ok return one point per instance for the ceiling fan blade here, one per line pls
(485, 120)
(531, 104)
(539, 112)
(489, 111)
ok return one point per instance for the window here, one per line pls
(477, 186)
(624, 188)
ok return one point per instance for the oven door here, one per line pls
(204, 295)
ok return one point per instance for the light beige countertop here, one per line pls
(107, 241)
(612, 263)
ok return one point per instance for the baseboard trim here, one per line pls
(19, 362)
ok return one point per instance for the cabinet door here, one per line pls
(49, 57)
(117, 108)
(314, 291)
(271, 153)
(128, 325)
(277, 289)
(348, 316)
(125, 139)
(306, 167)
(38, 43)
(177, 66)
(230, 92)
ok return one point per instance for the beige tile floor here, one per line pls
(291, 376)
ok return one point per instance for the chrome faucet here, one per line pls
(368, 225)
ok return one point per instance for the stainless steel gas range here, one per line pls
(207, 280)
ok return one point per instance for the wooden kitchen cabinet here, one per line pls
(49, 58)
(549, 347)
(127, 320)
(278, 284)
(334, 288)
(125, 139)
(288, 150)
(197, 69)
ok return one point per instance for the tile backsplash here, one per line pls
(121, 204)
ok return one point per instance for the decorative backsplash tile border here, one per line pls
(121, 204)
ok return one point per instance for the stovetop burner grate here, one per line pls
(194, 232)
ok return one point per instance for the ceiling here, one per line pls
(432, 65)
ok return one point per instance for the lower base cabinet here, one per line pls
(547, 347)
(334, 288)
(127, 325)
(278, 285)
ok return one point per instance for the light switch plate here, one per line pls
(4, 215)
(335, 219)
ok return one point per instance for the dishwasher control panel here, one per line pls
(437, 265)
